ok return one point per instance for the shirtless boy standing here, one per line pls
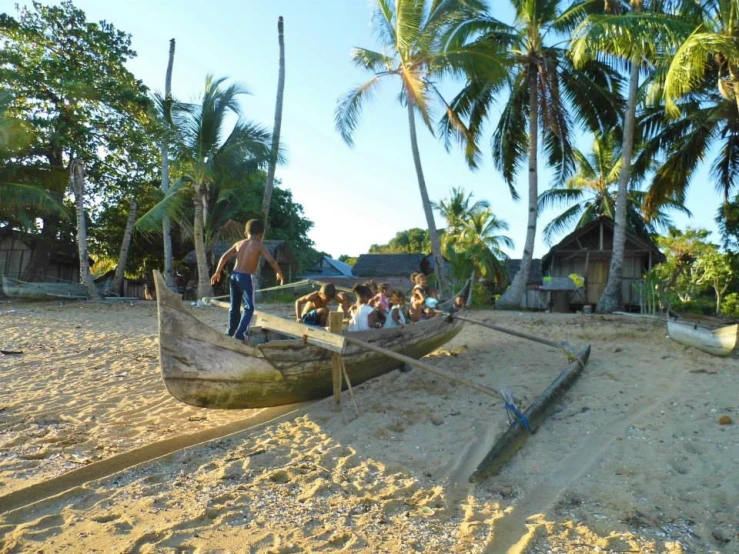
(247, 254)
(312, 309)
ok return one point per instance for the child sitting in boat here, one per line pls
(312, 309)
(396, 315)
(364, 316)
(241, 286)
(381, 301)
(424, 298)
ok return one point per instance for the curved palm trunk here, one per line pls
(612, 297)
(267, 199)
(166, 225)
(513, 295)
(428, 212)
(120, 269)
(78, 186)
(204, 288)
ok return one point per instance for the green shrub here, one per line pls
(730, 305)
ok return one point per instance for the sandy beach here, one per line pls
(632, 459)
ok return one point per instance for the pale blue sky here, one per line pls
(355, 196)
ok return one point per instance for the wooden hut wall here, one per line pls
(14, 257)
(595, 266)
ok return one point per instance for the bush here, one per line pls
(730, 305)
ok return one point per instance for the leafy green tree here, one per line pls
(417, 48)
(717, 270)
(547, 96)
(682, 249)
(590, 194)
(21, 198)
(72, 89)
(411, 241)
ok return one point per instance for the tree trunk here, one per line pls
(428, 212)
(166, 224)
(267, 199)
(78, 186)
(511, 298)
(204, 288)
(612, 297)
(120, 269)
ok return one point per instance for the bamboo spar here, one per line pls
(426, 367)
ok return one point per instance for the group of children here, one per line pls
(375, 307)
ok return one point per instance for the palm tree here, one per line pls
(481, 240)
(267, 199)
(77, 180)
(590, 194)
(546, 94)
(712, 45)
(208, 157)
(632, 38)
(458, 208)
(165, 105)
(418, 48)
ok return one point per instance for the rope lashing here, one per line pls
(512, 411)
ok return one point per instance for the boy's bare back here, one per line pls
(247, 255)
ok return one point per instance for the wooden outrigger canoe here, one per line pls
(203, 367)
(15, 288)
(719, 342)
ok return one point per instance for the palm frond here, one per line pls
(562, 223)
(174, 204)
(349, 108)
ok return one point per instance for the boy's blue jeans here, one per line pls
(242, 292)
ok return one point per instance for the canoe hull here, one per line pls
(719, 342)
(205, 368)
(23, 290)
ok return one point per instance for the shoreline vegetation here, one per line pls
(632, 458)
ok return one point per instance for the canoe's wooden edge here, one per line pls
(513, 439)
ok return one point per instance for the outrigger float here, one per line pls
(285, 362)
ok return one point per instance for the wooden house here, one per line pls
(587, 252)
(16, 249)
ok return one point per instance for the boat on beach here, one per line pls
(24, 290)
(204, 367)
(719, 342)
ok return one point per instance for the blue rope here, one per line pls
(514, 414)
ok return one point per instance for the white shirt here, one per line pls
(390, 322)
(360, 319)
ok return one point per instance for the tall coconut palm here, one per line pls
(417, 50)
(633, 37)
(592, 191)
(166, 106)
(547, 96)
(207, 156)
(267, 199)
